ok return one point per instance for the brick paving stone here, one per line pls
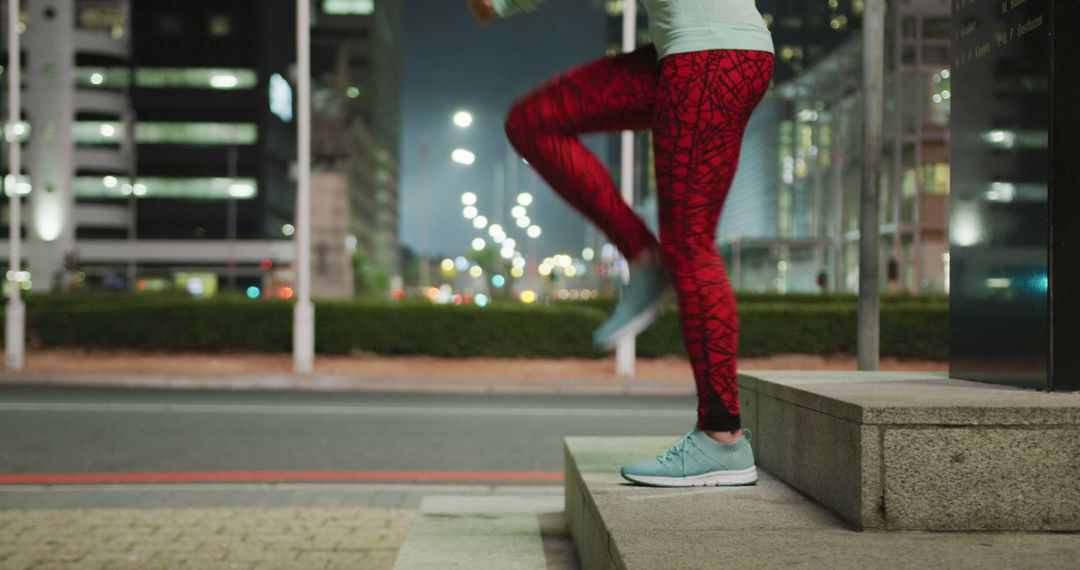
(201, 538)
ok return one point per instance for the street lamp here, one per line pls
(462, 156)
(463, 119)
(533, 231)
(468, 199)
(524, 199)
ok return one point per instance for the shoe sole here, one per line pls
(634, 326)
(743, 477)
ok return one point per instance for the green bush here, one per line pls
(910, 329)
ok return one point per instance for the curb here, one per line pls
(338, 383)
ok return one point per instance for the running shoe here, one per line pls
(698, 461)
(639, 305)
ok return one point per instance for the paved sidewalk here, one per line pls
(89, 539)
(423, 374)
(211, 526)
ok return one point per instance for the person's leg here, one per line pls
(610, 94)
(704, 102)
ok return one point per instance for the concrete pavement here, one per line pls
(218, 526)
(91, 539)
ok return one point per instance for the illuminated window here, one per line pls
(166, 77)
(614, 7)
(107, 77)
(348, 7)
(936, 178)
(99, 187)
(219, 26)
(197, 78)
(102, 18)
(197, 133)
(112, 132)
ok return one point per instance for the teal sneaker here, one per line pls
(638, 307)
(698, 461)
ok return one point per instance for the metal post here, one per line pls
(626, 347)
(498, 184)
(839, 250)
(424, 254)
(131, 120)
(898, 147)
(869, 226)
(303, 312)
(15, 326)
(920, 181)
(736, 263)
(231, 221)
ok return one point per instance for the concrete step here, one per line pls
(509, 532)
(903, 451)
(615, 525)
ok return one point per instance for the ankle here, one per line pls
(647, 256)
(725, 437)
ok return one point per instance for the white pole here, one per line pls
(303, 312)
(626, 347)
(16, 312)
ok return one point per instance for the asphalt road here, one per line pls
(69, 430)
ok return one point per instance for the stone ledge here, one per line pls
(920, 452)
(615, 525)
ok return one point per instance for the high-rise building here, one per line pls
(356, 62)
(161, 136)
(791, 219)
(804, 32)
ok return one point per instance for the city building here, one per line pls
(356, 62)
(804, 32)
(791, 221)
(160, 138)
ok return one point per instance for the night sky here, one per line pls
(451, 62)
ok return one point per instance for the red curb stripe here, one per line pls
(277, 476)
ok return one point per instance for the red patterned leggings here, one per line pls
(697, 105)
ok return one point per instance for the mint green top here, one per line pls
(680, 26)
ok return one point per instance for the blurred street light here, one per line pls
(534, 231)
(470, 212)
(468, 199)
(518, 212)
(462, 156)
(524, 199)
(478, 244)
(480, 222)
(463, 119)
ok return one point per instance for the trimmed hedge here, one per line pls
(910, 329)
